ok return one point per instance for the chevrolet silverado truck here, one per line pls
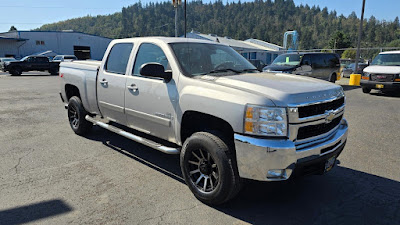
(32, 63)
(204, 101)
(383, 73)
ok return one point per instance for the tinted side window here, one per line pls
(42, 59)
(118, 58)
(318, 61)
(330, 60)
(149, 53)
(307, 60)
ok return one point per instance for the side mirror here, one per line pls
(155, 70)
(307, 63)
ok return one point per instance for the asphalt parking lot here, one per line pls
(49, 175)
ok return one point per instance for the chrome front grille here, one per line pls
(310, 122)
(317, 109)
(382, 77)
(316, 130)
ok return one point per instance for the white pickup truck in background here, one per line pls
(206, 102)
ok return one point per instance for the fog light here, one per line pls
(276, 174)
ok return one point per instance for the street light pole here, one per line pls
(176, 21)
(359, 36)
(185, 18)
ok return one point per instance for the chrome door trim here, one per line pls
(112, 107)
(159, 120)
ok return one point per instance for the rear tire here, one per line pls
(53, 72)
(366, 90)
(16, 71)
(76, 116)
(209, 169)
(333, 78)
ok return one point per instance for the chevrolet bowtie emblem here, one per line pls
(330, 116)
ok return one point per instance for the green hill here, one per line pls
(266, 20)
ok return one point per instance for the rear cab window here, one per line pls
(118, 58)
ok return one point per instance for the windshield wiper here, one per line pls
(248, 70)
(221, 71)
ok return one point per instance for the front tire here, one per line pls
(366, 90)
(209, 169)
(76, 116)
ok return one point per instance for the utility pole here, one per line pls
(359, 36)
(176, 3)
(185, 18)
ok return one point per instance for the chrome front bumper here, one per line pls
(257, 157)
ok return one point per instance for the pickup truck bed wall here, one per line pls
(84, 78)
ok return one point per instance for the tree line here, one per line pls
(261, 19)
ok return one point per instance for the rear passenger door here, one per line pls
(111, 83)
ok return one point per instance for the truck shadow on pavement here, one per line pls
(349, 87)
(342, 196)
(34, 212)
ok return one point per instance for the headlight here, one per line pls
(266, 121)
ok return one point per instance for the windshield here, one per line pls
(287, 60)
(387, 60)
(201, 59)
(23, 59)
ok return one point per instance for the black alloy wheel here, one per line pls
(76, 116)
(203, 170)
(209, 168)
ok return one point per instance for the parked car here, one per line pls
(32, 63)
(62, 58)
(351, 69)
(383, 73)
(325, 66)
(206, 102)
(3, 61)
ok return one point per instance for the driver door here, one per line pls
(150, 102)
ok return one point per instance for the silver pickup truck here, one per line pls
(206, 102)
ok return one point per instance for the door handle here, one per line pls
(104, 81)
(133, 87)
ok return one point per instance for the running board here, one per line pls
(144, 141)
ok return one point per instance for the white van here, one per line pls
(383, 73)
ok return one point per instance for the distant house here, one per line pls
(252, 49)
(22, 43)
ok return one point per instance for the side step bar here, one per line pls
(144, 141)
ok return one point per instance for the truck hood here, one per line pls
(284, 89)
(383, 69)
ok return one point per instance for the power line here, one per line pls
(51, 7)
(22, 23)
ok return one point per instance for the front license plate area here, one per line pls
(379, 86)
(330, 163)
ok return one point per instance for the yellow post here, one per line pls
(355, 79)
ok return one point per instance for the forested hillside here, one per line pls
(265, 20)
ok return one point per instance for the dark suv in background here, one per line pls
(324, 66)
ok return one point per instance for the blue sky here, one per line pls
(29, 14)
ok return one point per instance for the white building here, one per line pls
(22, 43)
(252, 49)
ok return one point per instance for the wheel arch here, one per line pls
(195, 121)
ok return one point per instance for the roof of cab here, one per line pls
(390, 52)
(166, 40)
